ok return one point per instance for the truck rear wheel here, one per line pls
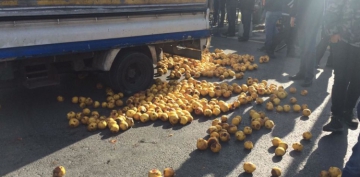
(131, 73)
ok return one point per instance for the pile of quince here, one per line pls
(211, 65)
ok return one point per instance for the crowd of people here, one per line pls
(339, 21)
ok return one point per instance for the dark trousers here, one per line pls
(307, 44)
(231, 14)
(219, 9)
(346, 88)
(246, 21)
(321, 48)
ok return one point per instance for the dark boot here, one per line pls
(335, 125)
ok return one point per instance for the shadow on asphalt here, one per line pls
(205, 163)
(34, 125)
(330, 152)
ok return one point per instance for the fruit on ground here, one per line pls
(92, 126)
(304, 92)
(224, 136)
(215, 147)
(102, 125)
(249, 167)
(276, 171)
(75, 99)
(269, 124)
(169, 172)
(215, 134)
(236, 120)
(334, 172)
(240, 135)
(74, 122)
(296, 108)
(276, 141)
(114, 128)
(71, 115)
(297, 146)
(292, 90)
(202, 144)
(154, 173)
(306, 112)
(232, 129)
(286, 108)
(283, 145)
(59, 171)
(269, 106)
(307, 135)
(293, 100)
(247, 130)
(255, 125)
(248, 145)
(279, 151)
(60, 98)
(324, 173)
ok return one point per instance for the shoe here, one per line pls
(240, 39)
(350, 120)
(296, 77)
(307, 83)
(335, 125)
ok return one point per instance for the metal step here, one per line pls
(40, 75)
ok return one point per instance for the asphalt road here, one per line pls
(35, 136)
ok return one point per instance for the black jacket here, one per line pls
(247, 4)
(273, 5)
(308, 13)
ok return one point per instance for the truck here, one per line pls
(123, 38)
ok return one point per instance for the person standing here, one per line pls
(290, 31)
(323, 44)
(273, 14)
(219, 9)
(342, 24)
(321, 48)
(247, 9)
(231, 6)
(306, 16)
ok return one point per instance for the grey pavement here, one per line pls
(35, 137)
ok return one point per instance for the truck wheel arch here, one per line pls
(104, 60)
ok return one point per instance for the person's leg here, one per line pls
(329, 62)
(353, 91)
(216, 12)
(341, 81)
(309, 56)
(321, 48)
(222, 5)
(270, 31)
(268, 38)
(246, 21)
(352, 167)
(231, 7)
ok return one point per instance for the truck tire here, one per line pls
(131, 73)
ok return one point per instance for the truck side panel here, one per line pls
(51, 37)
(33, 3)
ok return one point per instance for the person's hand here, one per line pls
(292, 21)
(335, 38)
